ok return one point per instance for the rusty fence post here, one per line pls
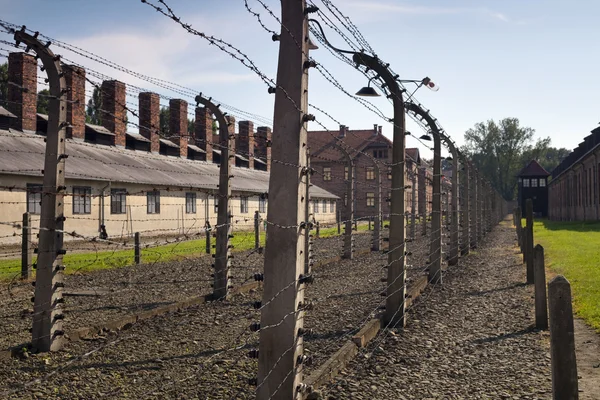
(562, 340)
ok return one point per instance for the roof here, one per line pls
(196, 148)
(23, 154)
(98, 129)
(137, 137)
(168, 143)
(533, 169)
(5, 113)
(323, 144)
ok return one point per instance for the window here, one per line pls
(525, 182)
(390, 173)
(380, 153)
(118, 201)
(326, 173)
(324, 206)
(346, 173)
(316, 206)
(331, 206)
(370, 173)
(244, 205)
(370, 199)
(534, 182)
(190, 203)
(34, 198)
(262, 204)
(216, 204)
(153, 202)
(82, 200)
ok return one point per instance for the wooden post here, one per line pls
(222, 256)
(529, 241)
(281, 344)
(26, 247)
(256, 230)
(47, 330)
(562, 340)
(464, 209)
(208, 230)
(541, 309)
(136, 251)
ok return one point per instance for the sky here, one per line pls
(529, 59)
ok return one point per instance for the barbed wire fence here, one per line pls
(310, 304)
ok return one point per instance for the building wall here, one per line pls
(172, 219)
(575, 194)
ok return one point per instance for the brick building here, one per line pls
(365, 147)
(128, 181)
(574, 191)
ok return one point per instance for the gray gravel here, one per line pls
(473, 338)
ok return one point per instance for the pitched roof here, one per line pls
(23, 154)
(533, 169)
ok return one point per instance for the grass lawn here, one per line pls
(573, 250)
(91, 261)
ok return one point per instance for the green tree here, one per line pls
(94, 105)
(43, 101)
(499, 150)
(3, 84)
(164, 121)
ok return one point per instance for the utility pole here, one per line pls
(47, 330)
(223, 251)
(282, 315)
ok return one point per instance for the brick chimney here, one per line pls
(204, 132)
(263, 144)
(245, 142)
(22, 71)
(113, 102)
(374, 129)
(149, 112)
(75, 79)
(178, 125)
(343, 130)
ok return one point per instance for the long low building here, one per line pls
(118, 185)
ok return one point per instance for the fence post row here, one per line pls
(473, 205)
(26, 247)
(47, 332)
(562, 340)
(223, 249)
(279, 369)
(529, 241)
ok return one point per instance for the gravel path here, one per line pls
(137, 288)
(472, 338)
(180, 355)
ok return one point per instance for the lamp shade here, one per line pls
(312, 45)
(425, 137)
(367, 91)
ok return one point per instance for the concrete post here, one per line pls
(307, 217)
(281, 345)
(454, 223)
(339, 221)
(541, 310)
(473, 206)
(465, 205)
(256, 230)
(136, 250)
(223, 251)
(349, 217)
(208, 231)
(318, 231)
(562, 340)
(26, 247)
(519, 227)
(435, 245)
(47, 331)
(395, 305)
(377, 239)
(413, 205)
(529, 241)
